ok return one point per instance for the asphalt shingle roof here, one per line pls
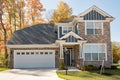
(37, 34)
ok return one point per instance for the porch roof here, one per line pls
(71, 34)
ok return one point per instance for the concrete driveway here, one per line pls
(29, 74)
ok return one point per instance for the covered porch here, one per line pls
(70, 46)
(71, 53)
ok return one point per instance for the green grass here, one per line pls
(93, 75)
(3, 69)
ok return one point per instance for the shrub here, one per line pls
(114, 67)
(62, 65)
(83, 68)
(88, 68)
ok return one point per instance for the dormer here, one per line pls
(71, 37)
(65, 27)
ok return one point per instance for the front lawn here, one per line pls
(3, 69)
(92, 75)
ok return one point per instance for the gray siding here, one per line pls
(93, 15)
(75, 29)
(60, 32)
(71, 39)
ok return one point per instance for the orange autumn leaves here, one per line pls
(63, 12)
(18, 14)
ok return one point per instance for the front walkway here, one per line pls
(29, 74)
(73, 69)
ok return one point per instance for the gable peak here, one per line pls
(95, 8)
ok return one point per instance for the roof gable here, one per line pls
(71, 34)
(94, 8)
(94, 15)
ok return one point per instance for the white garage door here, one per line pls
(34, 59)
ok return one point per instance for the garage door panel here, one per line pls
(34, 61)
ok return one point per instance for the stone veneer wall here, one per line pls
(77, 57)
(105, 38)
(57, 54)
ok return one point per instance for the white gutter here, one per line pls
(33, 46)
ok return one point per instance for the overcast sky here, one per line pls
(112, 7)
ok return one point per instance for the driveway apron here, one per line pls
(29, 74)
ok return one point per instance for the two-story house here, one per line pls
(84, 40)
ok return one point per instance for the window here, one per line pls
(41, 53)
(18, 53)
(32, 53)
(46, 53)
(37, 53)
(94, 28)
(23, 53)
(101, 56)
(87, 56)
(27, 53)
(66, 30)
(50, 52)
(94, 52)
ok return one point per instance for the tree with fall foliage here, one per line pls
(34, 12)
(14, 15)
(2, 26)
(63, 12)
(116, 51)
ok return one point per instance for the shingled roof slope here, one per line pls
(36, 34)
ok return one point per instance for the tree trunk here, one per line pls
(10, 19)
(20, 18)
(15, 22)
(5, 47)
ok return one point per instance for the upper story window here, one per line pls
(66, 30)
(93, 28)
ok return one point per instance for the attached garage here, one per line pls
(34, 59)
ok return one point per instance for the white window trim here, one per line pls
(77, 28)
(67, 30)
(81, 51)
(94, 27)
(98, 51)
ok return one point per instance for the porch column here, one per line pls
(80, 50)
(61, 51)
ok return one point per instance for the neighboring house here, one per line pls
(84, 40)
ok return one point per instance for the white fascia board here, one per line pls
(72, 34)
(84, 41)
(60, 41)
(64, 24)
(94, 8)
(33, 46)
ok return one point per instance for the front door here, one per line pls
(67, 57)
